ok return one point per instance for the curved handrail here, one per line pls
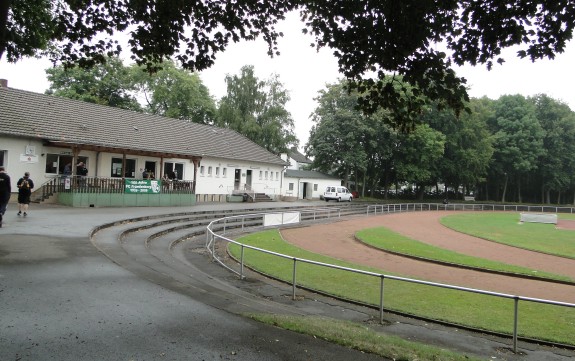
(212, 236)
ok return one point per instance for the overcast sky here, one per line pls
(304, 72)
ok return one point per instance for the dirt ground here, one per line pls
(337, 240)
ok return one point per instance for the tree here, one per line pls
(518, 141)
(556, 164)
(256, 109)
(381, 37)
(175, 93)
(418, 155)
(468, 145)
(106, 84)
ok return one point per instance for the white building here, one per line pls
(301, 183)
(41, 134)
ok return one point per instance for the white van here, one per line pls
(337, 193)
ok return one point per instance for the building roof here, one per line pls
(298, 157)
(66, 122)
(311, 174)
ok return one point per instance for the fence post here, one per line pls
(213, 248)
(294, 279)
(242, 262)
(515, 320)
(381, 299)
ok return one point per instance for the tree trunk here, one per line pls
(504, 189)
(519, 189)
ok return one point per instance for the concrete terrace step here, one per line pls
(170, 250)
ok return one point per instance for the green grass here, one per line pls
(360, 337)
(504, 227)
(385, 239)
(481, 311)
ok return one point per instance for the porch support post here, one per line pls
(123, 165)
(196, 161)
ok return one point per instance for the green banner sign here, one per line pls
(143, 186)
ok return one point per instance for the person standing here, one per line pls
(81, 172)
(5, 192)
(25, 186)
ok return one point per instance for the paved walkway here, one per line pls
(61, 299)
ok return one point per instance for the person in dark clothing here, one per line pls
(5, 192)
(81, 173)
(25, 186)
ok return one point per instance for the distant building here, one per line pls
(301, 183)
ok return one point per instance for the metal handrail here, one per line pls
(213, 236)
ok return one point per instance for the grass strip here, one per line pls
(538, 321)
(387, 240)
(360, 337)
(505, 228)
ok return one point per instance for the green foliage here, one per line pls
(557, 164)
(419, 153)
(337, 140)
(257, 110)
(175, 93)
(379, 38)
(106, 84)
(26, 28)
(517, 139)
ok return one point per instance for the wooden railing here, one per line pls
(79, 184)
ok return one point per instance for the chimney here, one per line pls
(3, 83)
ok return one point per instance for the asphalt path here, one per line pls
(62, 299)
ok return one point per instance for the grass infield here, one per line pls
(536, 321)
(504, 227)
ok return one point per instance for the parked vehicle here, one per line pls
(337, 193)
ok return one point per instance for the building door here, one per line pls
(237, 178)
(249, 178)
(304, 190)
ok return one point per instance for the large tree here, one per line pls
(256, 109)
(106, 84)
(175, 93)
(379, 37)
(557, 164)
(517, 140)
(337, 139)
(468, 145)
(418, 157)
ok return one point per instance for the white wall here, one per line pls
(220, 183)
(298, 185)
(99, 164)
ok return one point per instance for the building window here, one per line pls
(315, 187)
(209, 171)
(266, 174)
(277, 175)
(261, 174)
(55, 163)
(3, 158)
(291, 187)
(129, 172)
(202, 170)
(174, 170)
(217, 171)
(224, 171)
